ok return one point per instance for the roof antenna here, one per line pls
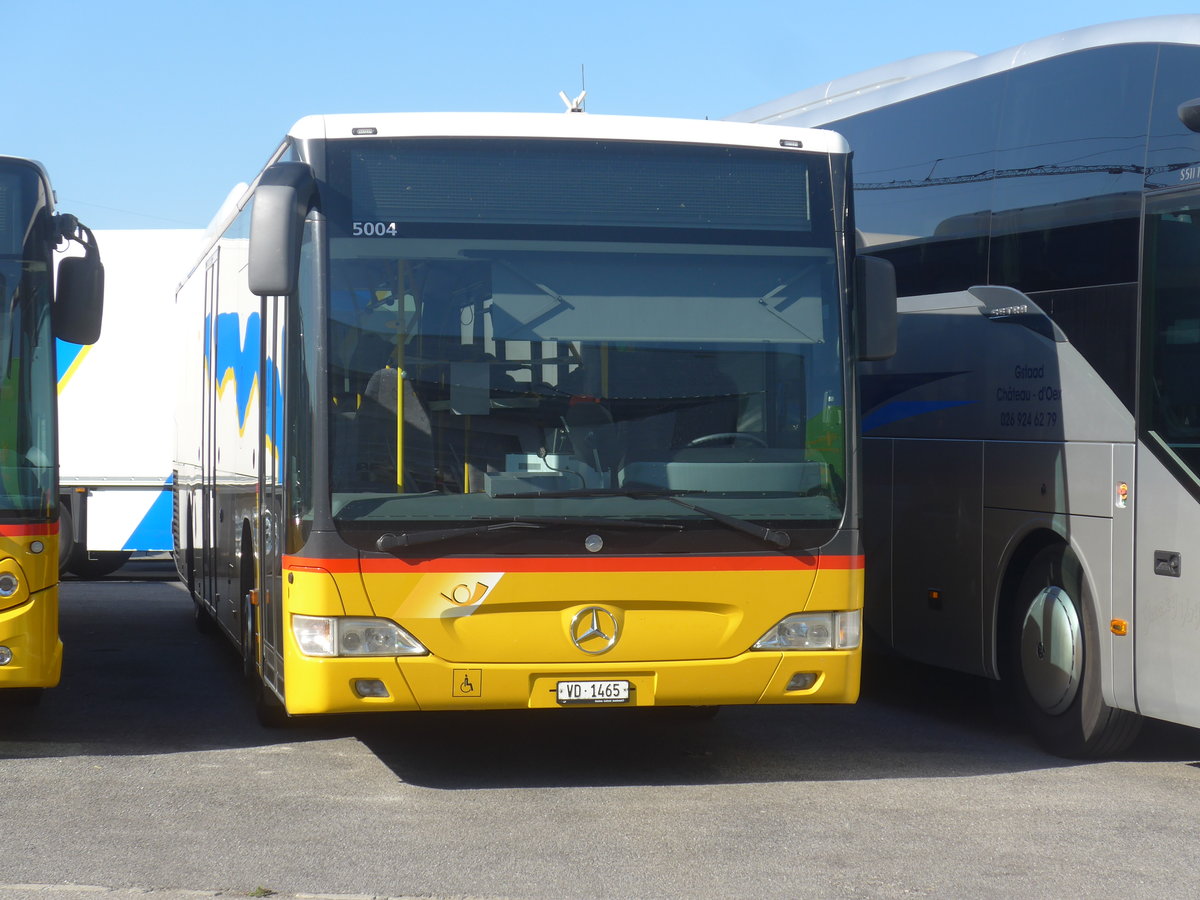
(576, 105)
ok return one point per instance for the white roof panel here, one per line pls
(562, 125)
(895, 82)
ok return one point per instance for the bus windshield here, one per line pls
(27, 469)
(484, 368)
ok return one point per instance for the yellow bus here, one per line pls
(32, 315)
(530, 411)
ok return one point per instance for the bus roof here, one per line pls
(560, 125)
(903, 80)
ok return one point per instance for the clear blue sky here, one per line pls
(146, 112)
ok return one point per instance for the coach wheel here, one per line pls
(1051, 648)
(1054, 669)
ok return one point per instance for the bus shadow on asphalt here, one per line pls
(138, 679)
(913, 721)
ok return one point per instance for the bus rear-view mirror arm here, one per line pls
(281, 201)
(875, 304)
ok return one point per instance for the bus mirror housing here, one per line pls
(281, 201)
(1189, 114)
(875, 305)
(79, 299)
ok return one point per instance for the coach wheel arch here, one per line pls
(1049, 635)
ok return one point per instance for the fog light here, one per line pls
(370, 687)
(8, 584)
(802, 681)
(5, 656)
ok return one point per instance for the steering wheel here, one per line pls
(732, 436)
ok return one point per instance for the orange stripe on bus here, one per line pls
(41, 529)
(576, 564)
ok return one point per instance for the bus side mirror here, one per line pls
(281, 201)
(875, 304)
(79, 299)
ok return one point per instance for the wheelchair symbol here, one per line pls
(467, 683)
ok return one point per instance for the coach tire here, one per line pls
(1053, 665)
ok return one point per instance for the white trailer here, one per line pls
(116, 408)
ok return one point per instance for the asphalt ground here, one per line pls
(146, 773)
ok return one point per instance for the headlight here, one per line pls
(339, 636)
(814, 631)
(9, 584)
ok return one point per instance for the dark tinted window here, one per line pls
(1171, 333)
(392, 186)
(922, 184)
(1174, 157)
(1069, 170)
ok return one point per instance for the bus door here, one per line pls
(269, 540)
(1166, 626)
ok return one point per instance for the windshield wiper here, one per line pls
(773, 536)
(636, 494)
(393, 541)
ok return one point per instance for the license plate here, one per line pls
(593, 692)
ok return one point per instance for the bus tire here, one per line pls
(202, 618)
(66, 538)
(269, 709)
(1054, 674)
(97, 564)
(21, 698)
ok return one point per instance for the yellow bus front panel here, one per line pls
(509, 639)
(30, 648)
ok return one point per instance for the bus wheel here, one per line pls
(96, 564)
(268, 708)
(21, 697)
(249, 661)
(66, 538)
(202, 618)
(1054, 670)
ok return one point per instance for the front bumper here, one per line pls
(314, 685)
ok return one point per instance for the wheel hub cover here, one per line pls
(1052, 650)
